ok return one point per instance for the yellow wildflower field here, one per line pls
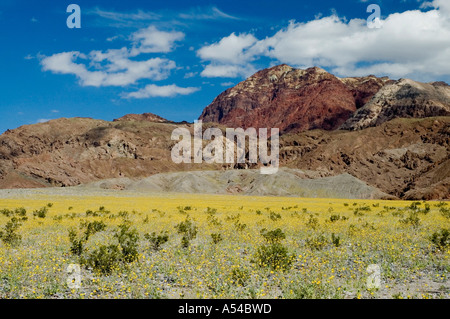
(219, 246)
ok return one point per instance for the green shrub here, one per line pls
(216, 238)
(104, 258)
(445, 212)
(334, 218)
(78, 240)
(312, 222)
(274, 216)
(41, 213)
(336, 240)
(441, 239)
(412, 219)
(9, 234)
(239, 277)
(157, 241)
(317, 243)
(273, 236)
(128, 240)
(274, 256)
(18, 212)
(188, 230)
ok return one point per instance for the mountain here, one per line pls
(392, 137)
(402, 99)
(292, 100)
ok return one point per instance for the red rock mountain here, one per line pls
(292, 100)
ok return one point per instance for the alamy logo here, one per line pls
(221, 150)
(74, 20)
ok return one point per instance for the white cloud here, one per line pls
(412, 43)
(231, 49)
(152, 40)
(443, 5)
(116, 70)
(190, 75)
(114, 67)
(124, 17)
(152, 90)
(210, 13)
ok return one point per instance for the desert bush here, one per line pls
(78, 241)
(273, 255)
(441, 239)
(103, 259)
(317, 242)
(100, 212)
(274, 216)
(312, 222)
(128, 240)
(273, 236)
(412, 219)
(188, 230)
(445, 212)
(336, 240)
(216, 238)
(157, 241)
(239, 277)
(41, 213)
(18, 212)
(9, 234)
(334, 218)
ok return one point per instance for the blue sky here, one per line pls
(172, 58)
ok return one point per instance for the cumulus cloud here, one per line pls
(118, 70)
(115, 67)
(230, 57)
(152, 90)
(152, 40)
(412, 43)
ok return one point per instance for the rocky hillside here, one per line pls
(404, 158)
(293, 100)
(68, 152)
(402, 99)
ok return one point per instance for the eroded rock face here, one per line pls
(291, 99)
(402, 99)
(285, 98)
(364, 88)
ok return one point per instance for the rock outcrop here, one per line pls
(285, 98)
(292, 100)
(402, 99)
